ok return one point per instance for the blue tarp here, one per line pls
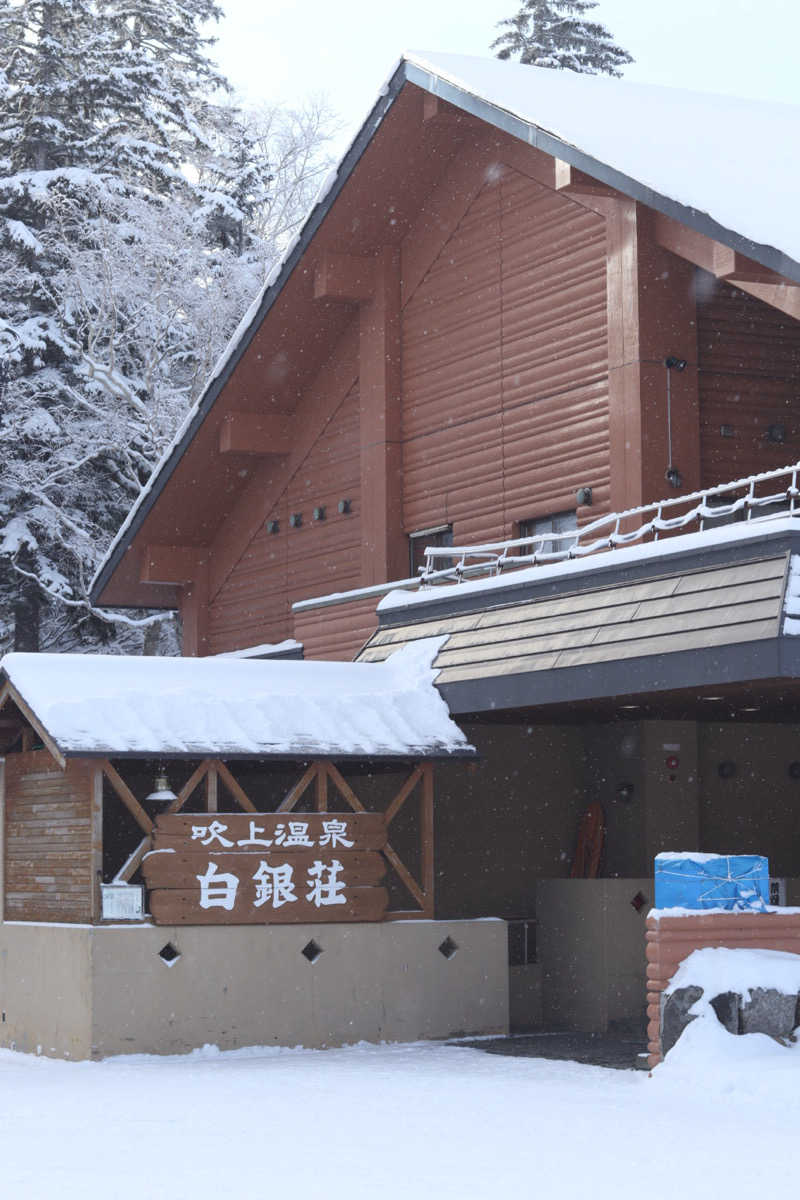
(738, 882)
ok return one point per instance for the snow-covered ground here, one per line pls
(719, 1118)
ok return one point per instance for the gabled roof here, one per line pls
(722, 166)
(196, 707)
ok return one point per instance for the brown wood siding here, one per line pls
(505, 366)
(319, 557)
(749, 360)
(48, 840)
(337, 631)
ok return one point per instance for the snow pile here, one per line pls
(721, 1067)
(706, 1054)
(721, 969)
(111, 704)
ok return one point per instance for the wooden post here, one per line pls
(383, 545)
(651, 316)
(322, 787)
(426, 828)
(212, 790)
(96, 779)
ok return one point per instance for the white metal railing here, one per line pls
(755, 497)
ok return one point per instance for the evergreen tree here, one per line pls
(105, 287)
(553, 33)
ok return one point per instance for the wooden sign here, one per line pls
(267, 868)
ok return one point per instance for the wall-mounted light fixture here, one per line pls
(273, 526)
(625, 792)
(344, 506)
(726, 770)
(583, 497)
(319, 513)
(672, 474)
(296, 520)
(776, 433)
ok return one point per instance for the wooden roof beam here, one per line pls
(710, 255)
(255, 433)
(8, 692)
(783, 296)
(571, 181)
(346, 277)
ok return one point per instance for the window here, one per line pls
(440, 535)
(561, 522)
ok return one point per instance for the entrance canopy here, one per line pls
(108, 705)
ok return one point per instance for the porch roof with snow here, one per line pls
(689, 156)
(125, 706)
(663, 626)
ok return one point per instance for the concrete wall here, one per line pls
(83, 992)
(46, 989)
(591, 944)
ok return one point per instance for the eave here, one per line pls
(121, 581)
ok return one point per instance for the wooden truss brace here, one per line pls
(323, 771)
(211, 769)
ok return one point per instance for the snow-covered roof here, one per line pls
(729, 158)
(170, 707)
(722, 165)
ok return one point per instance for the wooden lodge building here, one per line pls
(521, 396)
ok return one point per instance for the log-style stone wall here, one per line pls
(672, 939)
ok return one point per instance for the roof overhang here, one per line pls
(120, 579)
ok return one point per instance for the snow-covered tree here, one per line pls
(118, 293)
(554, 33)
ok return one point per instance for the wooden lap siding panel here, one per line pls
(48, 840)
(505, 365)
(254, 606)
(555, 352)
(337, 631)
(749, 361)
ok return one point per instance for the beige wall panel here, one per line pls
(45, 989)
(592, 953)
(241, 986)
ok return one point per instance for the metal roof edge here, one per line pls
(649, 675)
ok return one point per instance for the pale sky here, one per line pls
(278, 50)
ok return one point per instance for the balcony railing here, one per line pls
(755, 498)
